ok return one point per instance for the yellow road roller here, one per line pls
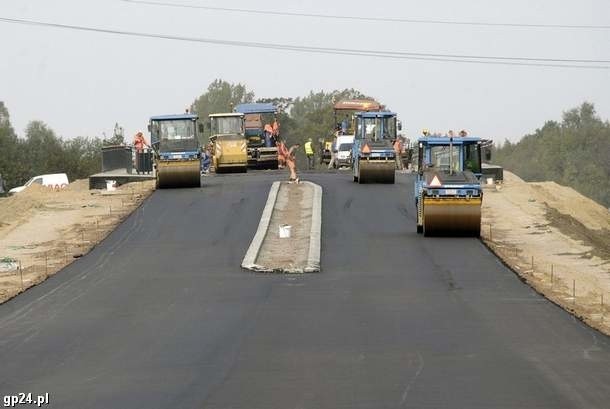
(177, 153)
(228, 142)
(448, 193)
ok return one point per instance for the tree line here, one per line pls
(41, 151)
(574, 152)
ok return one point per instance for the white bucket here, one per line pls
(285, 230)
(490, 181)
(111, 185)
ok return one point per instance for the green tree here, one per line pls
(10, 150)
(221, 96)
(574, 152)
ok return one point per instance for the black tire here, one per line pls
(420, 229)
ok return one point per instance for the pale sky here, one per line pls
(81, 83)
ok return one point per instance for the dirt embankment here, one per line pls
(42, 230)
(557, 240)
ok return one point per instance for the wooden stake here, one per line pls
(573, 291)
(21, 274)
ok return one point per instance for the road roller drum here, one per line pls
(376, 171)
(452, 216)
(178, 174)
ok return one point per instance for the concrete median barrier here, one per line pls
(288, 236)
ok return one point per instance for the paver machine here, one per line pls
(373, 156)
(448, 193)
(229, 146)
(261, 147)
(176, 149)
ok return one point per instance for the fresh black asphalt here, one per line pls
(160, 315)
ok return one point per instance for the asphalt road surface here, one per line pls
(161, 316)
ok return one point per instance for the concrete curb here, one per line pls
(250, 258)
(313, 258)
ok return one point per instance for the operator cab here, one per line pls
(449, 155)
(376, 126)
(175, 134)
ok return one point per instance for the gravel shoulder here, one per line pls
(42, 230)
(556, 240)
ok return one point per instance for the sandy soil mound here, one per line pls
(557, 239)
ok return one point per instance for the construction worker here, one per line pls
(333, 153)
(282, 152)
(139, 143)
(268, 135)
(292, 163)
(309, 152)
(398, 153)
(463, 133)
(206, 160)
(276, 128)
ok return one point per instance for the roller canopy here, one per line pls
(256, 108)
(357, 105)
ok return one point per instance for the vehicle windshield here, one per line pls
(346, 146)
(176, 135)
(36, 180)
(441, 156)
(376, 128)
(227, 125)
(472, 161)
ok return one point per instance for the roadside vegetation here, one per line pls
(574, 152)
(41, 151)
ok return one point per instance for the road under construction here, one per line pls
(160, 315)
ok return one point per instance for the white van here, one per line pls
(55, 180)
(344, 150)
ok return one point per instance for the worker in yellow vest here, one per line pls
(309, 152)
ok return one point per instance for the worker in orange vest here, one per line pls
(282, 152)
(268, 135)
(398, 153)
(292, 163)
(276, 128)
(139, 142)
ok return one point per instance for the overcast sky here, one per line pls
(82, 83)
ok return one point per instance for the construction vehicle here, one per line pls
(228, 142)
(176, 149)
(261, 147)
(343, 112)
(373, 156)
(448, 194)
